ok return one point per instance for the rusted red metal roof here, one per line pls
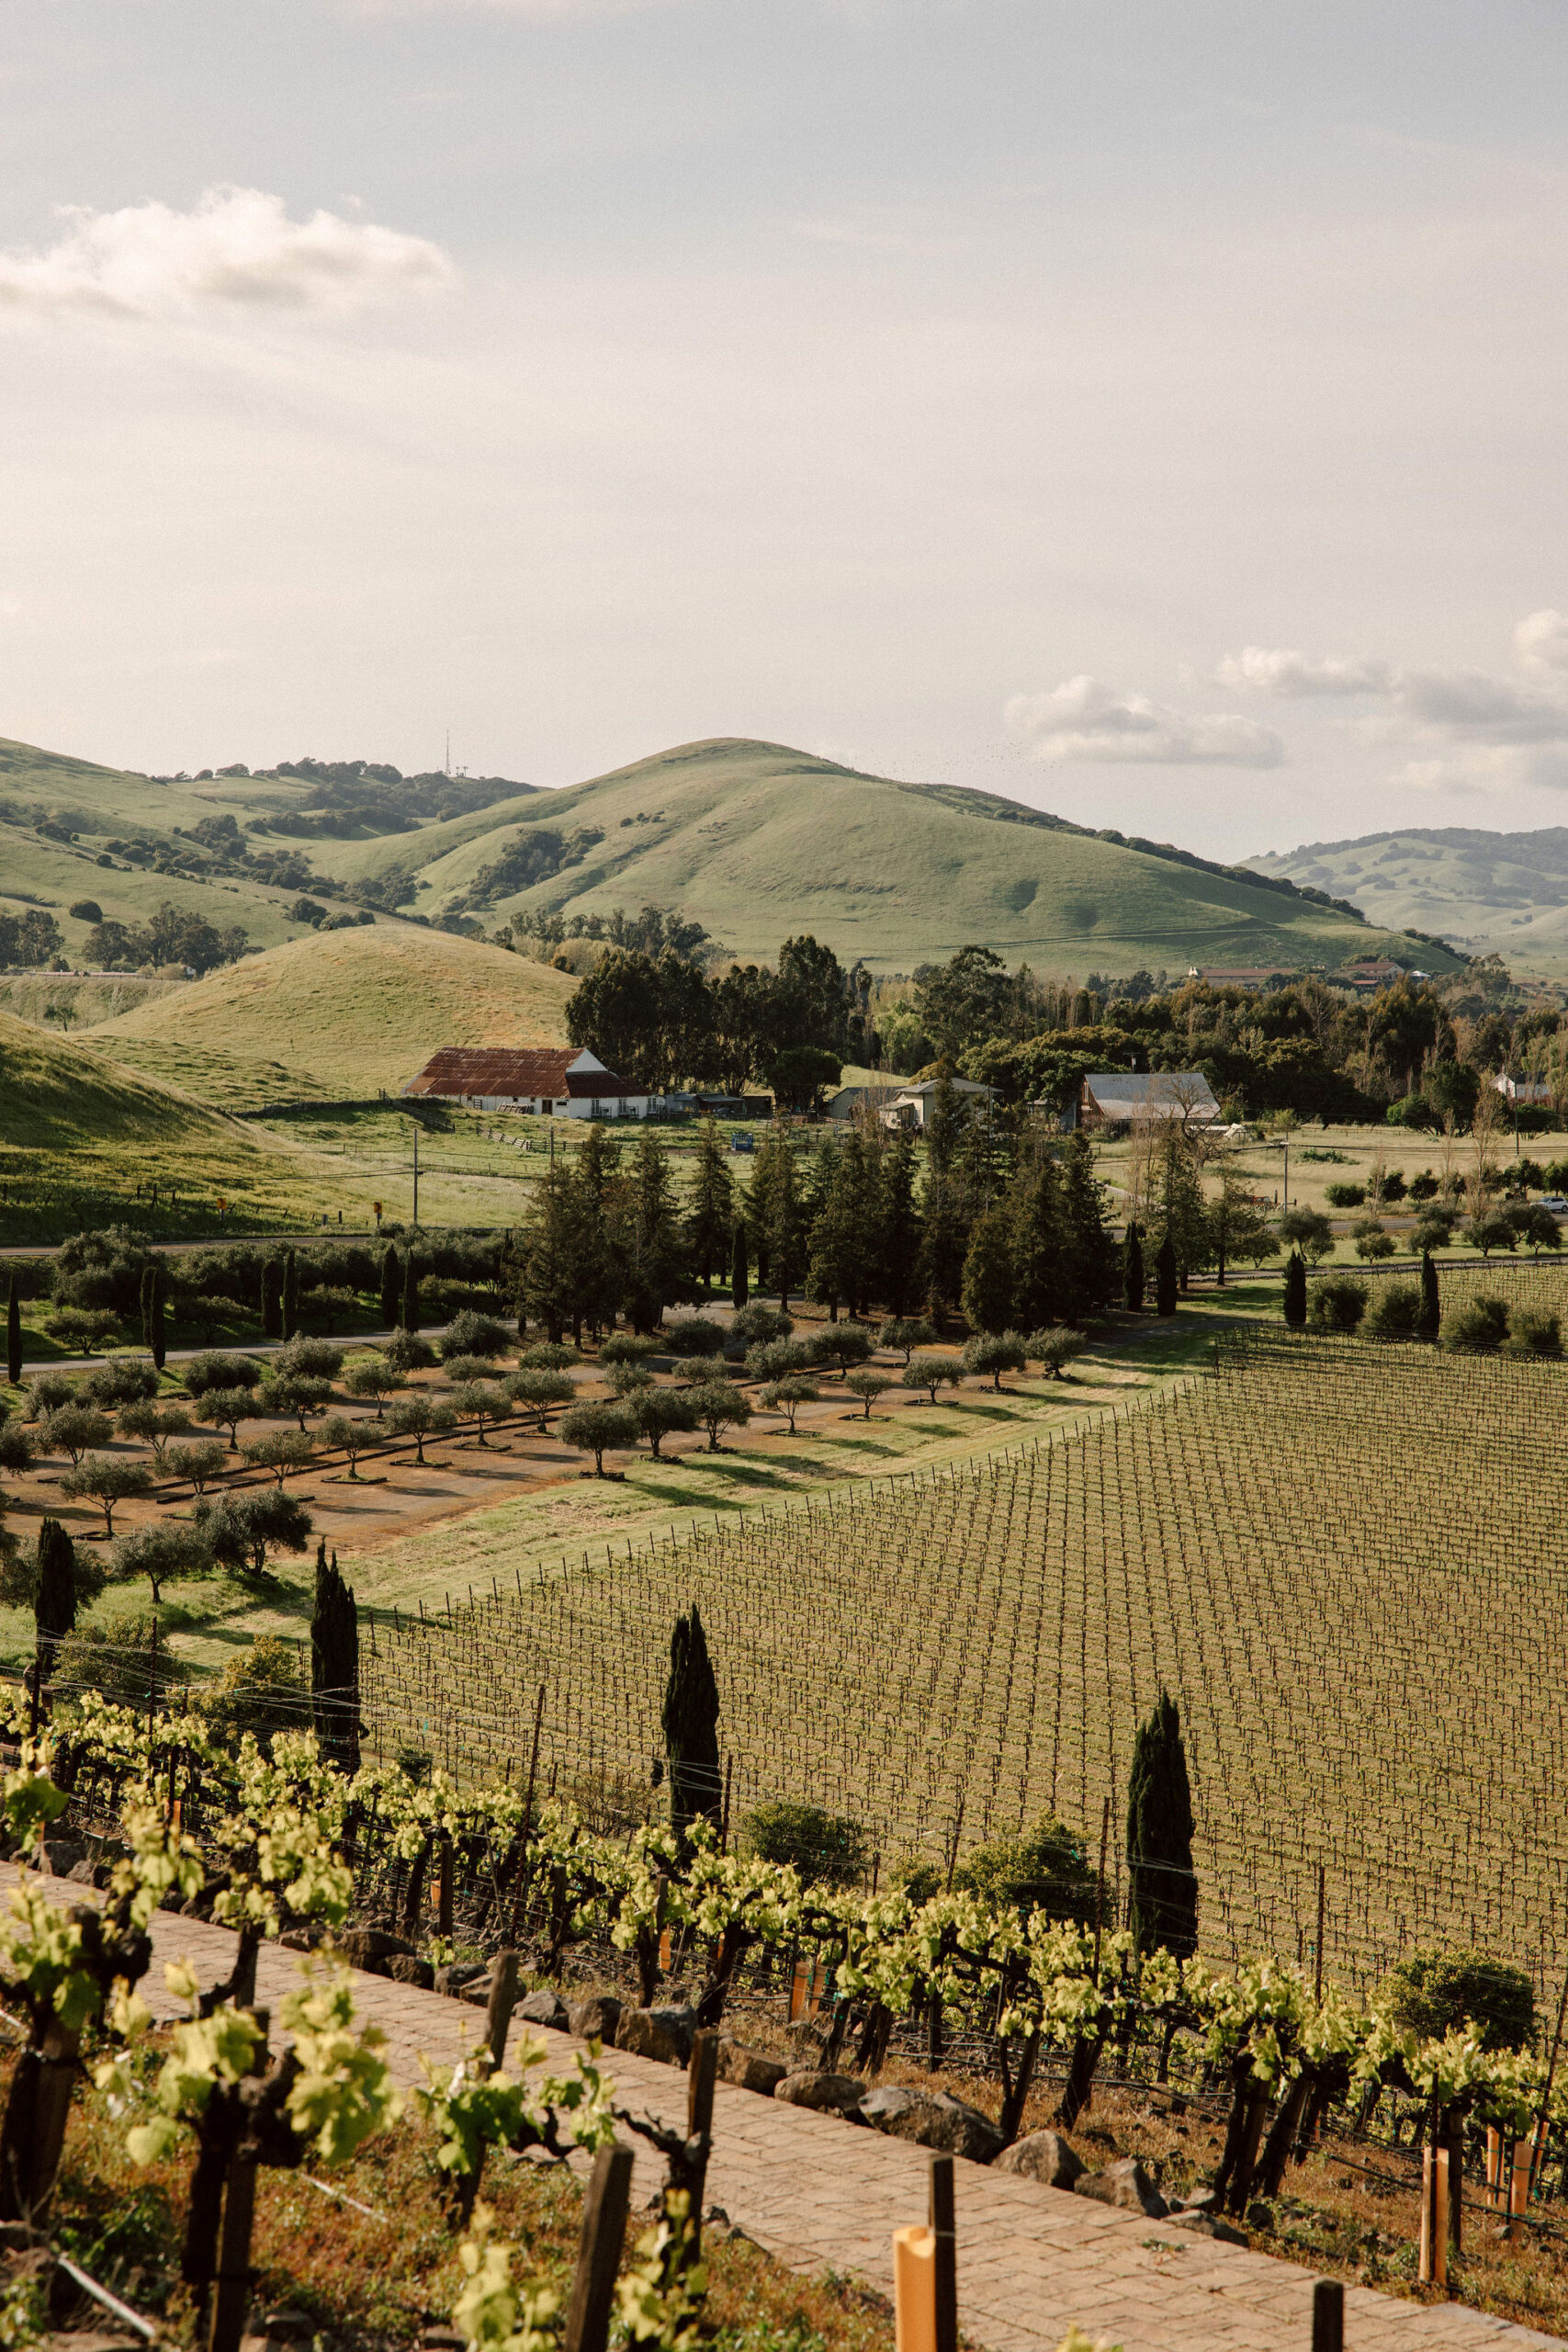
(541, 1073)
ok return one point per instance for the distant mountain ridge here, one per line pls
(1483, 891)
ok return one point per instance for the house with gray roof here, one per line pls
(1116, 1098)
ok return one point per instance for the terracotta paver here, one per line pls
(822, 2194)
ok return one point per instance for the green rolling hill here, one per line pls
(754, 840)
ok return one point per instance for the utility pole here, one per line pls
(416, 1171)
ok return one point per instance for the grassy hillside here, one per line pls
(754, 840)
(339, 1014)
(84, 1139)
(1481, 890)
(757, 840)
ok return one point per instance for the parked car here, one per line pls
(1555, 1203)
(743, 1143)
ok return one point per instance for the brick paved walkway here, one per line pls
(821, 2194)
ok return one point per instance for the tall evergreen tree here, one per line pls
(1088, 1262)
(157, 1335)
(1042, 1288)
(1431, 1302)
(13, 1336)
(1162, 1909)
(599, 1236)
(944, 1239)
(272, 1298)
(1165, 1275)
(335, 1664)
(550, 1289)
(409, 1317)
(839, 1240)
(690, 1719)
(740, 1285)
(653, 1241)
(1184, 1215)
(391, 1286)
(711, 1209)
(291, 1294)
(778, 1214)
(899, 1237)
(990, 1277)
(1133, 1269)
(1295, 1290)
(54, 1592)
(945, 1122)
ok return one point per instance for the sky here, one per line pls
(1155, 413)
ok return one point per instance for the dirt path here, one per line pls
(822, 2194)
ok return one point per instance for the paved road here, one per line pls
(822, 2194)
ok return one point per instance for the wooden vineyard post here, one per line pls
(1493, 2167)
(527, 1819)
(599, 2251)
(1519, 2187)
(914, 2291)
(1432, 2266)
(702, 2072)
(444, 1897)
(1327, 2316)
(945, 2254)
(498, 2010)
(233, 2282)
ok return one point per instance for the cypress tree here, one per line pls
(272, 1298)
(391, 1287)
(739, 1287)
(335, 1664)
(690, 1717)
(1431, 1303)
(1162, 1904)
(148, 1283)
(54, 1592)
(156, 1336)
(14, 1337)
(1133, 1269)
(1165, 1275)
(291, 1294)
(1295, 1290)
(409, 1317)
(711, 1211)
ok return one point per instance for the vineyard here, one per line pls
(1538, 1284)
(1346, 1561)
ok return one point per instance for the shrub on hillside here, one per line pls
(215, 1369)
(825, 1849)
(759, 1325)
(1533, 1332)
(472, 1334)
(1336, 1303)
(1345, 1196)
(693, 1335)
(118, 1658)
(1395, 1313)
(102, 1270)
(1433, 1994)
(1044, 1867)
(1477, 1326)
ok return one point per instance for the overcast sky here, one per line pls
(1154, 412)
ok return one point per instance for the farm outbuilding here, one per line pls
(556, 1081)
(1115, 1098)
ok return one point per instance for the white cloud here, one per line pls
(235, 245)
(1469, 706)
(1540, 641)
(1083, 719)
(1277, 671)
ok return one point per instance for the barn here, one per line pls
(560, 1082)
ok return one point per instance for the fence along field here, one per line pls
(1347, 1561)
